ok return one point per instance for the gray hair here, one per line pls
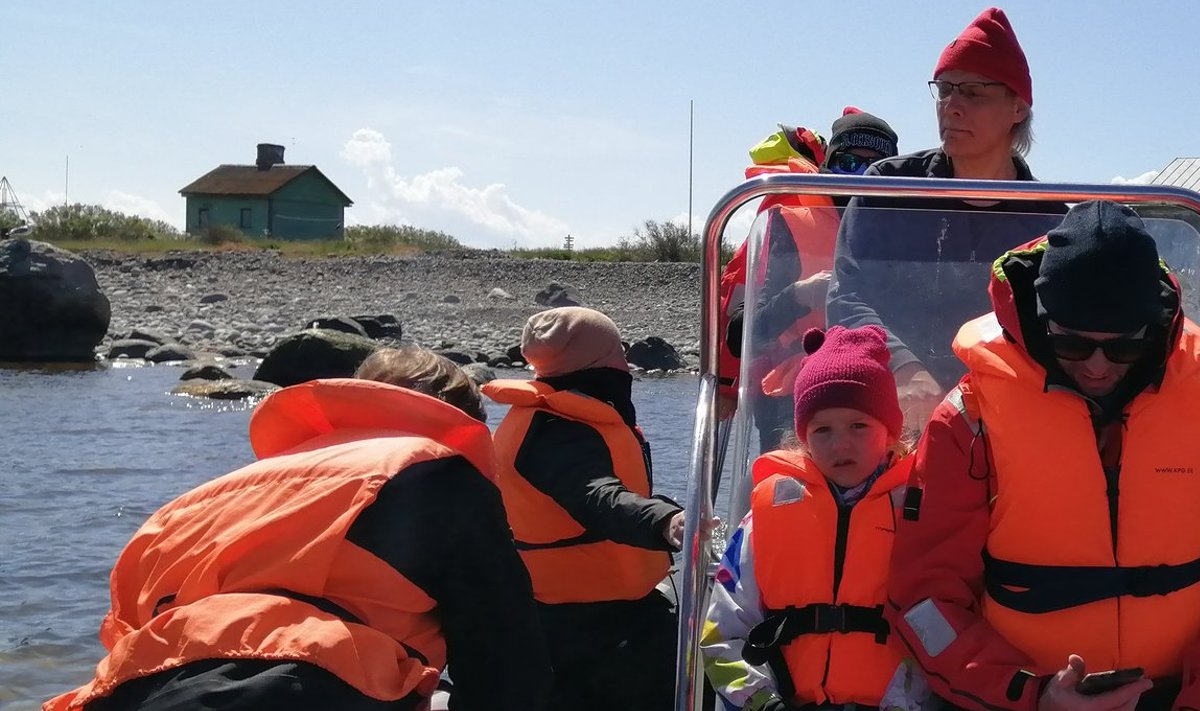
(1022, 133)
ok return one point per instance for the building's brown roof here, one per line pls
(249, 180)
(1181, 173)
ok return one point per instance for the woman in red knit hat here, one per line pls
(983, 96)
(796, 614)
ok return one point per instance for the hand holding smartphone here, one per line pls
(1105, 681)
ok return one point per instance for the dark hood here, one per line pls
(1014, 302)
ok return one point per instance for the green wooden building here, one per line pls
(268, 199)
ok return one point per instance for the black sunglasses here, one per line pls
(850, 163)
(1124, 351)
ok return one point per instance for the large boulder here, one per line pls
(556, 294)
(51, 308)
(314, 353)
(654, 353)
(338, 323)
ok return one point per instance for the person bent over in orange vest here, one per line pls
(576, 478)
(1052, 524)
(365, 548)
(796, 616)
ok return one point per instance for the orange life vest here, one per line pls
(566, 563)
(256, 565)
(1057, 582)
(822, 575)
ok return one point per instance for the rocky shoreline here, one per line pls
(242, 303)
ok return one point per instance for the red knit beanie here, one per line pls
(989, 47)
(847, 368)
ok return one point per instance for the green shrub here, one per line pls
(85, 223)
(219, 234)
(383, 236)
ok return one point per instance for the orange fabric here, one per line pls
(793, 540)
(194, 581)
(816, 254)
(1032, 433)
(585, 572)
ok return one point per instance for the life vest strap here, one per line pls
(1036, 589)
(782, 626)
(582, 539)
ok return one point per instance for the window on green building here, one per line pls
(246, 221)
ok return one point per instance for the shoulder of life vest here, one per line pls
(301, 416)
(531, 393)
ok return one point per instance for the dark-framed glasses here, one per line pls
(968, 90)
(850, 163)
(1124, 351)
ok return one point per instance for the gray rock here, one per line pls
(232, 389)
(500, 294)
(456, 357)
(206, 371)
(479, 372)
(514, 354)
(51, 306)
(214, 298)
(556, 294)
(654, 353)
(153, 308)
(200, 326)
(338, 323)
(130, 348)
(314, 353)
(146, 334)
(381, 326)
(499, 362)
(169, 353)
(450, 299)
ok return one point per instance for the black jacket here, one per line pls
(923, 272)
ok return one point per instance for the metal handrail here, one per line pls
(704, 456)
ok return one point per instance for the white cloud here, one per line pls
(43, 202)
(138, 205)
(441, 197)
(1143, 179)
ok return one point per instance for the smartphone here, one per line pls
(1101, 682)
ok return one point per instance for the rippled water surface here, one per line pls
(87, 455)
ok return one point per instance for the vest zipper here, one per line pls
(839, 562)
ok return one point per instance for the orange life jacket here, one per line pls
(822, 575)
(256, 565)
(1057, 581)
(813, 223)
(566, 562)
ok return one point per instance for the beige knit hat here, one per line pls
(571, 338)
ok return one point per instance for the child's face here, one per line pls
(846, 444)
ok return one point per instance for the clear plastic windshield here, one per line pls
(920, 274)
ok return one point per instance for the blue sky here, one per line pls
(518, 122)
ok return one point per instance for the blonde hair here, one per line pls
(425, 372)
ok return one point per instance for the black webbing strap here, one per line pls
(582, 539)
(1026, 587)
(782, 626)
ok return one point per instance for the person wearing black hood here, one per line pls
(800, 236)
(576, 478)
(1050, 523)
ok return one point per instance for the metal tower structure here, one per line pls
(9, 202)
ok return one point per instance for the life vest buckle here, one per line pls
(829, 618)
(1148, 580)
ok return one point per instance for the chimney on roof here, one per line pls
(269, 154)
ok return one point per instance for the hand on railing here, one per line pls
(919, 394)
(673, 531)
